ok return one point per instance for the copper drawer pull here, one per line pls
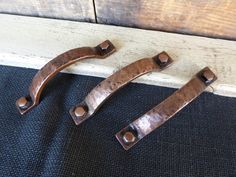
(47, 72)
(109, 86)
(154, 118)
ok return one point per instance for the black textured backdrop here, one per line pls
(198, 141)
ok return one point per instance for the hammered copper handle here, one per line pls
(24, 104)
(109, 86)
(157, 116)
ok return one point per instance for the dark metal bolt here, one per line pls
(129, 137)
(208, 75)
(104, 45)
(163, 58)
(80, 111)
(22, 102)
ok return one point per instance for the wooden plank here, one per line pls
(214, 18)
(31, 42)
(79, 10)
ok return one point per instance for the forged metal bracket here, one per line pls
(109, 86)
(154, 118)
(47, 72)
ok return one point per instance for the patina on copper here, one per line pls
(166, 109)
(45, 74)
(109, 86)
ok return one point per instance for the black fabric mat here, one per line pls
(198, 141)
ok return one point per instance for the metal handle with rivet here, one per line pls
(109, 86)
(165, 110)
(24, 104)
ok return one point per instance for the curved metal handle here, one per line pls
(157, 116)
(109, 86)
(24, 104)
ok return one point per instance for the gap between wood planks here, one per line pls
(31, 42)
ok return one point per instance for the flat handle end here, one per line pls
(163, 60)
(79, 113)
(105, 49)
(128, 137)
(24, 104)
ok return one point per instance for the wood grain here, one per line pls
(32, 42)
(213, 18)
(80, 10)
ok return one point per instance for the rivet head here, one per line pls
(208, 75)
(104, 45)
(129, 137)
(80, 111)
(163, 58)
(22, 102)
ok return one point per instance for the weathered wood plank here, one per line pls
(80, 10)
(32, 42)
(214, 18)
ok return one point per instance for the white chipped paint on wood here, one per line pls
(31, 42)
(81, 10)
